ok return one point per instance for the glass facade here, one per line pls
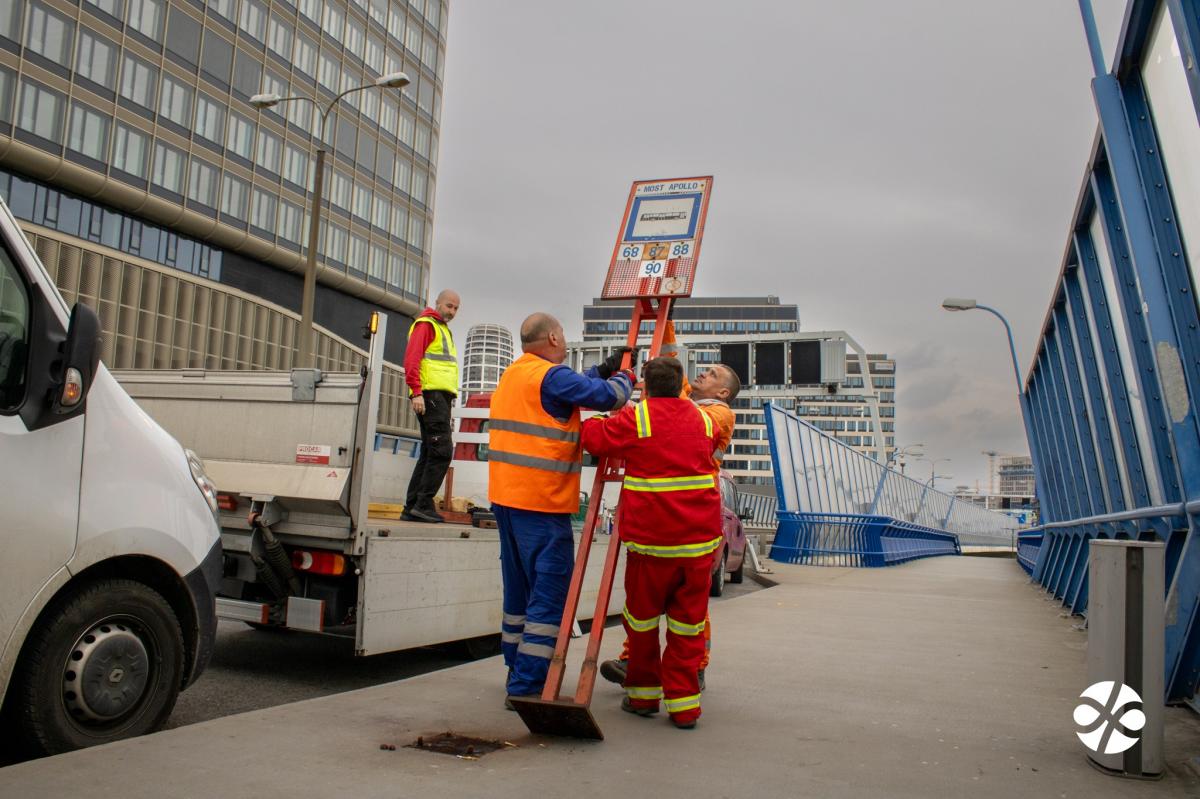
(154, 96)
(488, 352)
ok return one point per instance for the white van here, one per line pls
(108, 529)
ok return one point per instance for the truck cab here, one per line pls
(108, 527)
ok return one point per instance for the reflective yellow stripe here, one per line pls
(686, 483)
(707, 424)
(681, 551)
(640, 625)
(682, 703)
(681, 628)
(652, 692)
(643, 420)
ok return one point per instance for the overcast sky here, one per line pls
(869, 158)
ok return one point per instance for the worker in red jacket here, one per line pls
(669, 519)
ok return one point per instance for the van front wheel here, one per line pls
(105, 663)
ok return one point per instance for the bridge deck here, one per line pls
(947, 676)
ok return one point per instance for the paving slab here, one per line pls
(949, 676)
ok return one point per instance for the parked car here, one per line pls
(731, 558)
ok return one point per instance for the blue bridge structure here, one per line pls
(1109, 403)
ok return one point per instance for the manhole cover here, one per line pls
(459, 745)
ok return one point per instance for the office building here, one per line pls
(156, 193)
(811, 374)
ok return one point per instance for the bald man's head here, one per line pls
(446, 304)
(541, 334)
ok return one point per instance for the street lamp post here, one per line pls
(933, 467)
(883, 473)
(304, 347)
(961, 304)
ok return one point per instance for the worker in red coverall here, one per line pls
(712, 392)
(669, 519)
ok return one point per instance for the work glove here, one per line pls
(612, 363)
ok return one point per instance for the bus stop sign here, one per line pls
(659, 241)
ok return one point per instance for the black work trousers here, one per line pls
(437, 450)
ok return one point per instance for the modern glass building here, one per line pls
(785, 366)
(488, 352)
(157, 194)
(698, 316)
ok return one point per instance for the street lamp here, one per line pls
(901, 452)
(962, 304)
(933, 466)
(392, 80)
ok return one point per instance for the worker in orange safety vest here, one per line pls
(669, 520)
(712, 392)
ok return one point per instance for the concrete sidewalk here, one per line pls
(943, 677)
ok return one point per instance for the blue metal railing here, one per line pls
(852, 539)
(839, 507)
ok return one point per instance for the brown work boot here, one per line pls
(628, 706)
(614, 670)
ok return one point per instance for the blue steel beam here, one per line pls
(1070, 370)
(1114, 376)
(1166, 322)
(1057, 425)
(1127, 248)
(1097, 410)
(1048, 485)
(1055, 508)
(1070, 432)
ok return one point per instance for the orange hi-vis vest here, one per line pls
(533, 459)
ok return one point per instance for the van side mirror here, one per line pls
(746, 517)
(81, 356)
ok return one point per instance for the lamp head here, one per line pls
(958, 304)
(393, 80)
(265, 100)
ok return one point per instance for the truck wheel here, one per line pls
(105, 663)
(737, 574)
(718, 579)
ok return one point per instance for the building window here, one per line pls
(381, 213)
(168, 168)
(49, 34)
(210, 118)
(378, 268)
(175, 100)
(262, 210)
(389, 113)
(312, 10)
(253, 20)
(406, 128)
(330, 75)
(397, 22)
(235, 195)
(239, 137)
(403, 175)
(217, 62)
(114, 8)
(395, 276)
(10, 19)
(374, 56)
(296, 167)
(362, 202)
(42, 111)
(145, 17)
(138, 81)
(418, 185)
(268, 154)
(202, 183)
(183, 36)
(89, 132)
(96, 59)
(304, 56)
(339, 190)
(130, 148)
(279, 37)
(355, 38)
(290, 217)
(335, 21)
(399, 222)
(336, 239)
(222, 7)
(359, 254)
(416, 231)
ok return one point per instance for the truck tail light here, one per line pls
(227, 502)
(317, 562)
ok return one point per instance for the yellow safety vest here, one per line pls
(439, 364)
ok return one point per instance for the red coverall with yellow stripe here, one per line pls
(669, 519)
